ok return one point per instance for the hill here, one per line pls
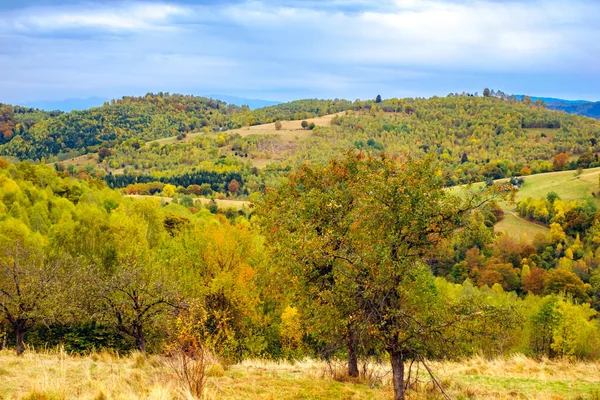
(140, 119)
(586, 108)
(16, 121)
(137, 118)
(474, 138)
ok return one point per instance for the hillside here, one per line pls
(585, 108)
(131, 118)
(142, 119)
(17, 121)
(566, 184)
(473, 138)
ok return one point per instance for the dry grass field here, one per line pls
(54, 375)
(290, 130)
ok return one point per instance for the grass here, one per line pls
(565, 183)
(56, 375)
(290, 130)
(517, 226)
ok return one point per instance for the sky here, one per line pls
(292, 49)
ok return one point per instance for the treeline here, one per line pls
(216, 181)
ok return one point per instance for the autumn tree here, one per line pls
(136, 293)
(233, 187)
(559, 162)
(278, 125)
(34, 285)
(368, 226)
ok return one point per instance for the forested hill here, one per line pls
(17, 121)
(461, 128)
(140, 118)
(146, 118)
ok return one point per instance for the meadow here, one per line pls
(56, 375)
(567, 184)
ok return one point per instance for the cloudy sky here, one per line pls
(289, 49)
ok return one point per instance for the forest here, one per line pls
(304, 273)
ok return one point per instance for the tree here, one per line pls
(34, 285)
(368, 223)
(378, 99)
(278, 125)
(137, 292)
(169, 190)
(559, 162)
(486, 92)
(563, 281)
(233, 187)
(304, 124)
(104, 153)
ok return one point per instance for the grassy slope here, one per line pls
(290, 130)
(54, 375)
(564, 183)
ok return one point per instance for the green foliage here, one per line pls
(126, 120)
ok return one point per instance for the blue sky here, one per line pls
(285, 50)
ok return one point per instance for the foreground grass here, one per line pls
(55, 375)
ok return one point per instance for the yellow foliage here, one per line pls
(291, 328)
(169, 190)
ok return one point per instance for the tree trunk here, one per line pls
(352, 359)
(140, 340)
(397, 360)
(20, 332)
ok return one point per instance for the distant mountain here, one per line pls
(240, 101)
(580, 107)
(67, 105)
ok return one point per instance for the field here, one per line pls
(290, 130)
(565, 183)
(56, 375)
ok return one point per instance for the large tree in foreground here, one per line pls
(353, 234)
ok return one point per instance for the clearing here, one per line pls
(290, 130)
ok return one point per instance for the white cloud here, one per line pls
(125, 16)
(432, 33)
